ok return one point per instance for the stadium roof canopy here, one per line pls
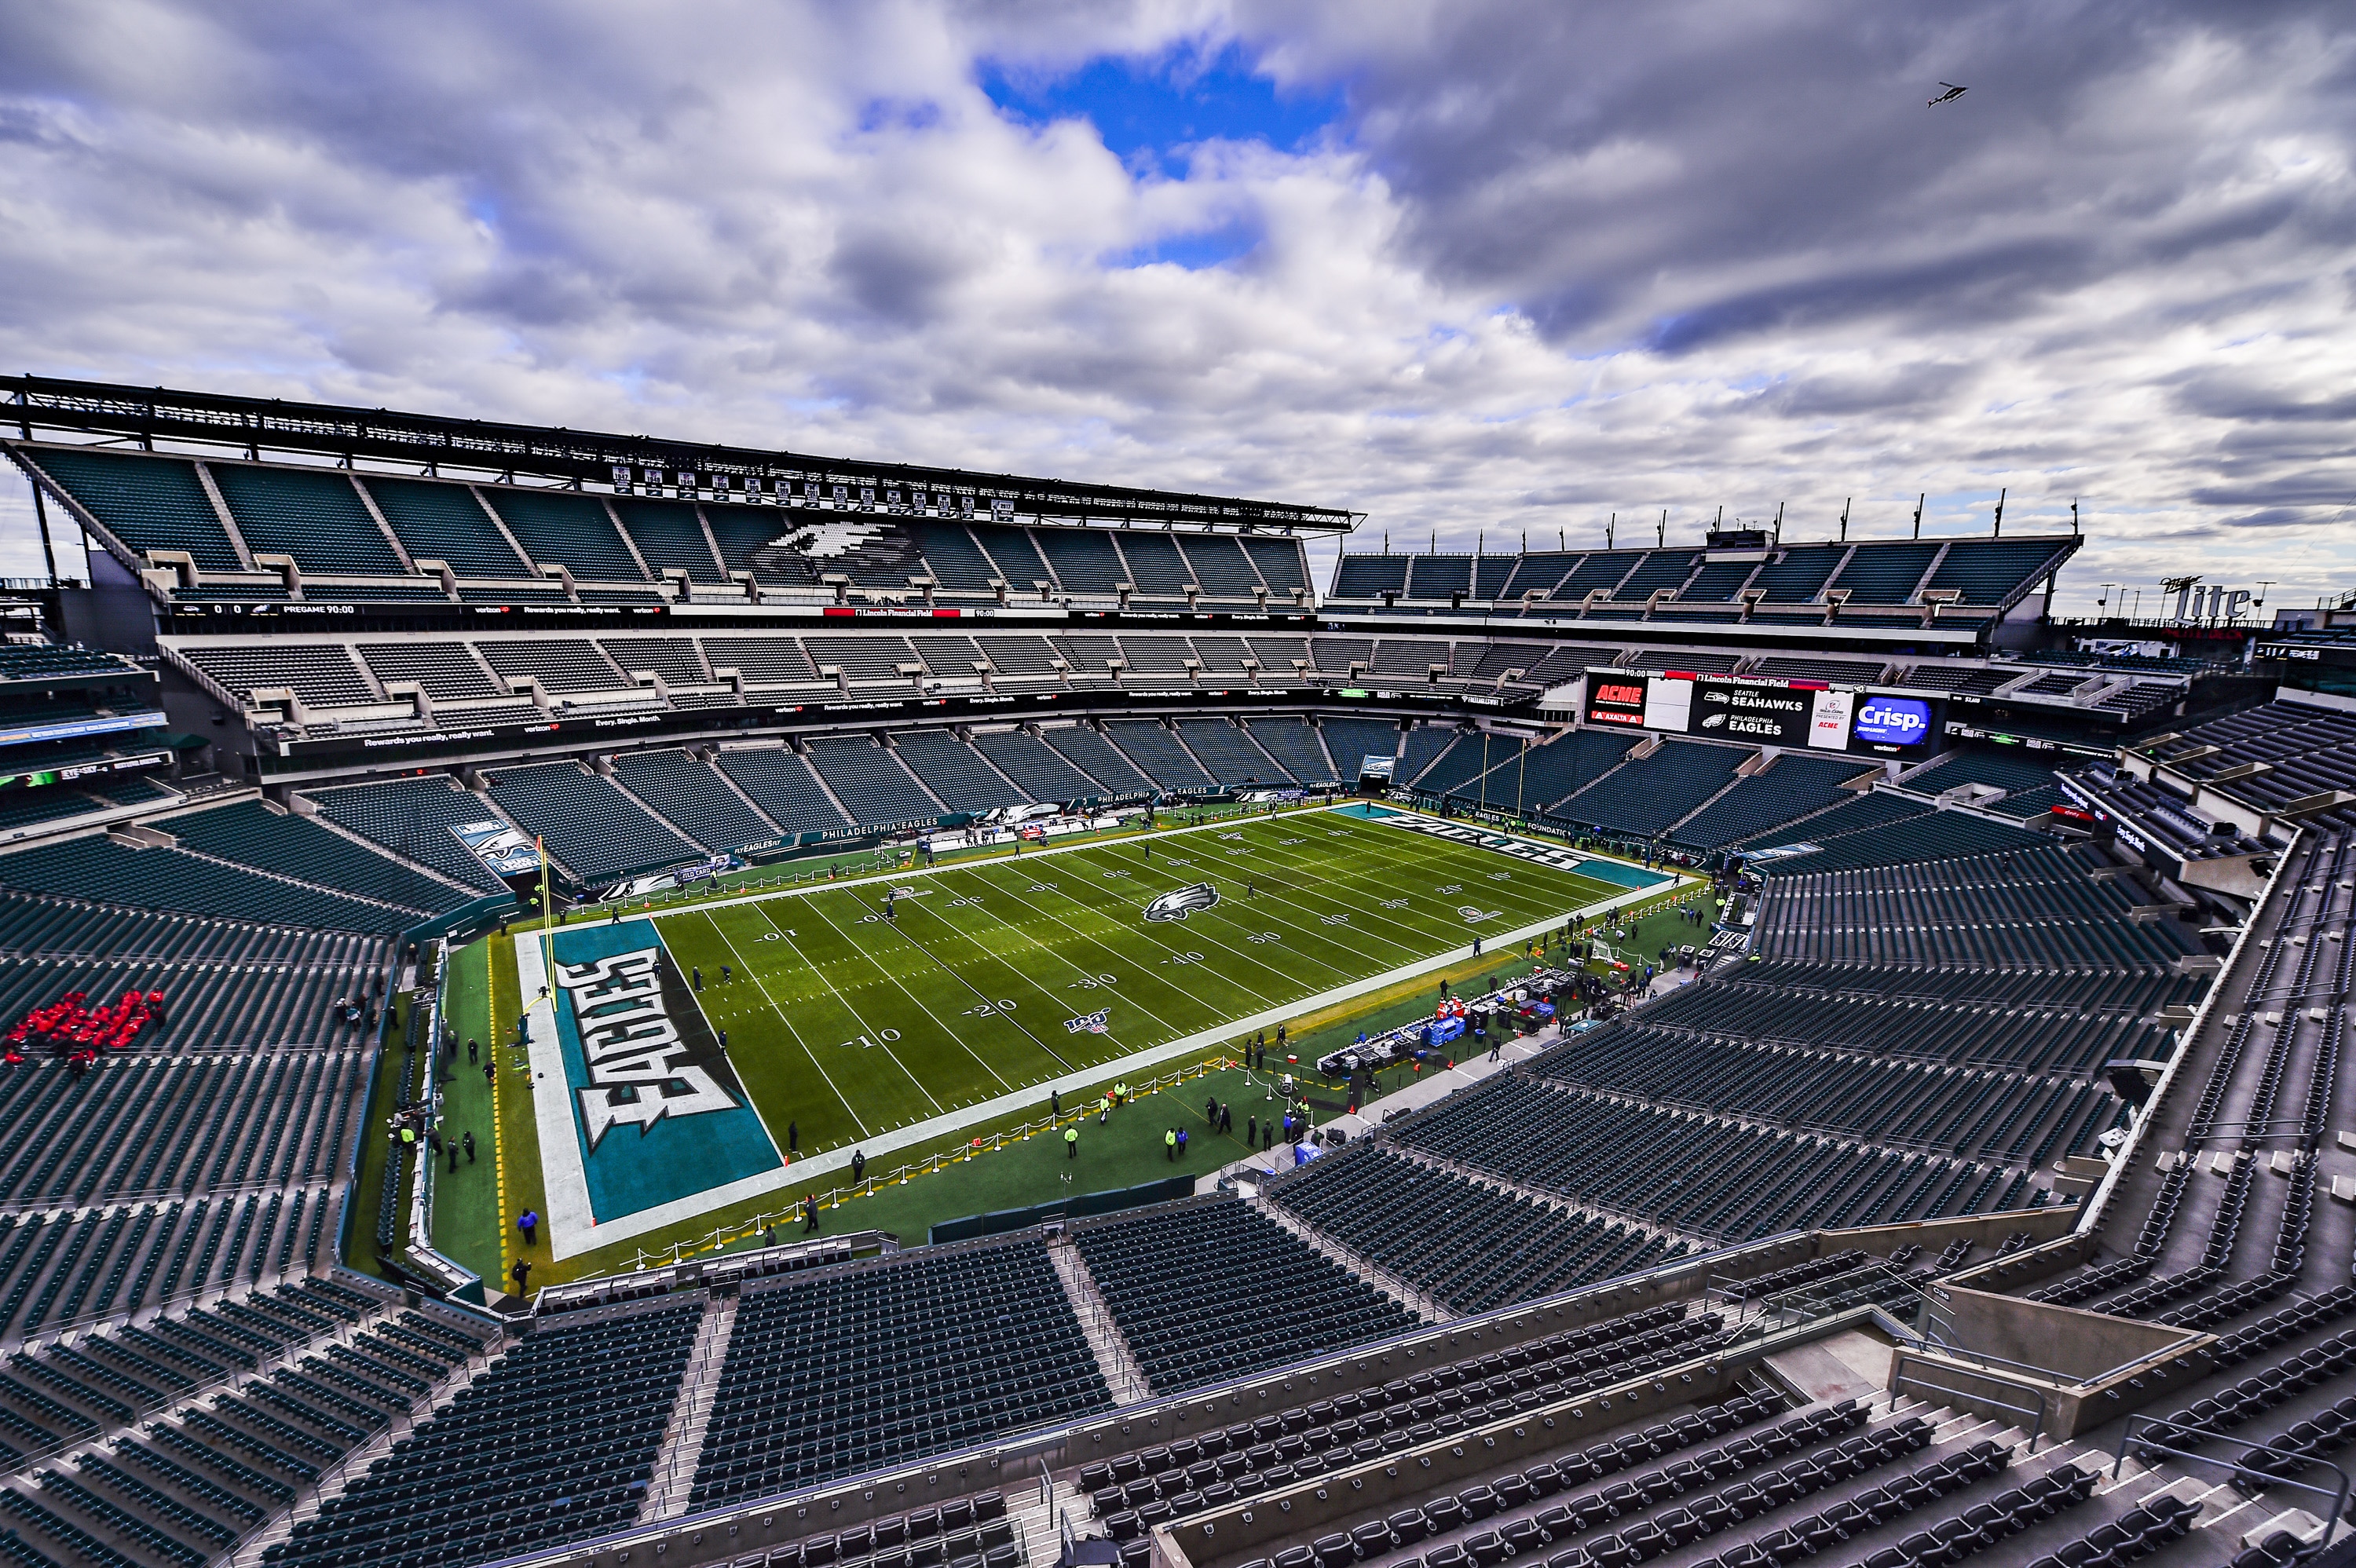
(255, 426)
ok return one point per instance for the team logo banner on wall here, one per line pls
(651, 1108)
(505, 851)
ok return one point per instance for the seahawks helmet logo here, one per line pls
(1183, 902)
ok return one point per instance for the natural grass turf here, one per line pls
(845, 1024)
(368, 1191)
(468, 1222)
(1125, 1150)
(1022, 1173)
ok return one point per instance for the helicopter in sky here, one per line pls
(1949, 96)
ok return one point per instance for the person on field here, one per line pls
(1072, 1142)
(1169, 1143)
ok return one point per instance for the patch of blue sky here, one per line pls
(1198, 251)
(1147, 111)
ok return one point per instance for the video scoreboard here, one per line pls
(1798, 714)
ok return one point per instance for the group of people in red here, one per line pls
(76, 1032)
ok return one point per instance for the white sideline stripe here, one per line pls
(1223, 824)
(571, 1229)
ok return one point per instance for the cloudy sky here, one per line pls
(1465, 266)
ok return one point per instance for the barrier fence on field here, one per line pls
(834, 1198)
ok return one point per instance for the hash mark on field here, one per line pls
(849, 1109)
(1053, 919)
(988, 1007)
(1302, 929)
(846, 1007)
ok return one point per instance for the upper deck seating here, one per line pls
(446, 522)
(314, 515)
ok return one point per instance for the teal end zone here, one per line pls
(1626, 876)
(630, 1165)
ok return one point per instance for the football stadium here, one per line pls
(596, 999)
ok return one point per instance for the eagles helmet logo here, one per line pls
(1183, 902)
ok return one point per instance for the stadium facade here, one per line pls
(1987, 1191)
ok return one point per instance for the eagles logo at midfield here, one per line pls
(1183, 902)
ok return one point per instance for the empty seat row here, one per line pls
(1168, 1276)
(835, 1371)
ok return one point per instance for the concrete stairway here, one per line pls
(1122, 1374)
(673, 1476)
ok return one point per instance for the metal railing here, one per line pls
(1097, 1321)
(2334, 1517)
(832, 1198)
(1407, 1292)
(1948, 1396)
(236, 1378)
(56, 1331)
(378, 1443)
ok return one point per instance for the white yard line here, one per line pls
(957, 974)
(1255, 899)
(753, 974)
(1430, 927)
(866, 1029)
(1188, 927)
(1026, 1099)
(1053, 952)
(877, 966)
(1168, 952)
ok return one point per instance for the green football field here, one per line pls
(846, 1023)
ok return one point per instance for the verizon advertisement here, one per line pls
(1766, 713)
